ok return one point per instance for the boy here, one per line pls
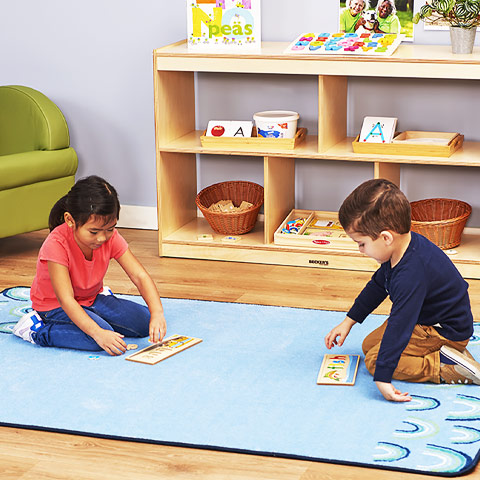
(430, 322)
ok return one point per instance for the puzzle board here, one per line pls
(378, 44)
(338, 369)
(160, 351)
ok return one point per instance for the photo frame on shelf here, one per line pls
(355, 18)
(223, 25)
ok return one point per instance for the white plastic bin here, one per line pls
(276, 123)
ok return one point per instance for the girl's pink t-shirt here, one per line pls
(86, 275)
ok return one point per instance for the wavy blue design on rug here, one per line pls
(17, 293)
(450, 460)
(391, 452)
(250, 386)
(420, 403)
(418, 428)
(465, 434)
(474, 340)
(471, 411)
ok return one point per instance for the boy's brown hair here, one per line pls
(374, 206)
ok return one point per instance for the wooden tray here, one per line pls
(254, 142)
(413, 143)
(160, 351)
(310, 236)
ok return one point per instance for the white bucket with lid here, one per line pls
(276, 123)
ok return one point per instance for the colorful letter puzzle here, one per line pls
(345, 44)
(337, 369)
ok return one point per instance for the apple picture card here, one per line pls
(378, 129)
(229, 128)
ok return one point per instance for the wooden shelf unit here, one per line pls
(178, 143)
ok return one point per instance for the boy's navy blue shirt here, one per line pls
(425, 288)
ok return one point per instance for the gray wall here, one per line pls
(94, 59)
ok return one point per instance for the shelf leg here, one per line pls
(332, 111)
(177, 190)
(389, 171)
(279, 185)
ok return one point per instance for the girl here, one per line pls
(70, 308)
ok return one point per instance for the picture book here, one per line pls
(223, 25)
(166, 348)
(383, 44)
(338, 369)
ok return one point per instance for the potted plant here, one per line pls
(462, 16)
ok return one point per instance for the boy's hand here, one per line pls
(158, 327)
(391, 393)
(341, 330)
(111, 342)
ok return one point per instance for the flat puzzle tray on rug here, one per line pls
(168, 347)
(377, 44)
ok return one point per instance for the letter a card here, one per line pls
(223, 25)
(338, 369)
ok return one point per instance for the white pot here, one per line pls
(276, 123)
(462, 39)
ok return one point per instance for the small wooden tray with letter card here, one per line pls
(338, 369)
(166, 348)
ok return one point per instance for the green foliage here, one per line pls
(458, 13)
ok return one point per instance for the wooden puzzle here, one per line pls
(338, 369)
(160, 351)
(383, 44)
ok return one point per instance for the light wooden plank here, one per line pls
(332, 111)
(279, 178)
(414, 61)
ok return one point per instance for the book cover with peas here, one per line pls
(223, 25)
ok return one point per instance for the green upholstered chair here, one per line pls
(37, 164)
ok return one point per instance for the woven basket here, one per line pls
(232, 223)
(441, 220)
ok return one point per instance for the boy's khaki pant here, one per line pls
(420, 361)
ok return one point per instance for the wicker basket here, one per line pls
(232, 223)
(441, 220)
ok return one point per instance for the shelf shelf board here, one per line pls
(467, 156)
(415, 61)
(191, 143)
(252, 248)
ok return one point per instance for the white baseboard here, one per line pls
(133, 216)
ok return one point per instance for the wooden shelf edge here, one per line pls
(468, 156)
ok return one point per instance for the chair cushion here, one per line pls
(32, 167)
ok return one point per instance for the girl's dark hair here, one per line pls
(374, 206)
(89, 196)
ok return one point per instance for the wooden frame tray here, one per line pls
(313, 232)
(434, 144)
(338, 369)
(254, 142)
(157, 352)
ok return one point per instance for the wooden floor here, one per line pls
(35, 455)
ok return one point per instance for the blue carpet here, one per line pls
(250, 386)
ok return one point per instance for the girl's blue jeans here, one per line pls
(109, 312)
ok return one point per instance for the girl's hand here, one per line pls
(391, 393)
(158, 327)
(111, 342)
(341, 330)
